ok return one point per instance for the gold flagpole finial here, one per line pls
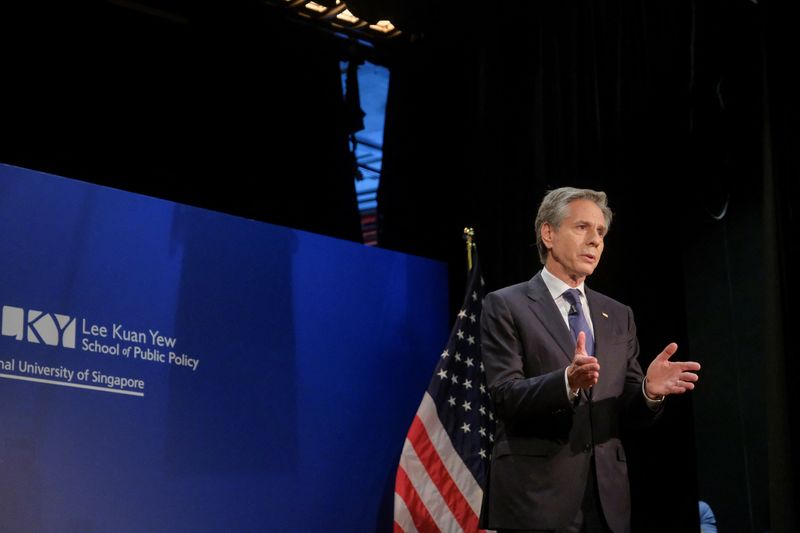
(469, 236)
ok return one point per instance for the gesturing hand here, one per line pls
(670, 377)
(584, 370)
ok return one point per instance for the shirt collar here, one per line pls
(556, 286)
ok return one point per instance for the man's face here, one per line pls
(576, 245)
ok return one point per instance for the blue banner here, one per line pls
(168, 368)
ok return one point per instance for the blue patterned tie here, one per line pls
(577, 320)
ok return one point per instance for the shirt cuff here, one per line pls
(570, 395)
(652, 402)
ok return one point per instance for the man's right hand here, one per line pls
(584, 370)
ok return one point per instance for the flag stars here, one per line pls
(442, 374)
(465, 428)
(467, 383)
(454, 379)
(467, 406)
(462, 313)
(460, 335)
(474, 296)
(452, 401)
(468, 362)
(481, 366)
(445, 354)
(482, 410)
(491, 438)
(483, 388)
(491, 416)
(472, 318)
(457, 356)
(482, 431)
(471, 339)
(482, 453)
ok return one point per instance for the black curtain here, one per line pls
(684, 112)
(481, 122)
(781, 186)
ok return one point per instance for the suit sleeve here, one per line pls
(637, 412)
(517, 397)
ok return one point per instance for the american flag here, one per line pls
(445, 459)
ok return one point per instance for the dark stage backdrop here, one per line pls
(681, 112)
(222, 106)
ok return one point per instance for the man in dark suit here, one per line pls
(561, 366)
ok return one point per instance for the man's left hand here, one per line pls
(666, 377)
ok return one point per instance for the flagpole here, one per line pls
(469, 236)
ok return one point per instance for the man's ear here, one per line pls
(547, 235)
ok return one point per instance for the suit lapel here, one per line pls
(600, 323)
(542, 305)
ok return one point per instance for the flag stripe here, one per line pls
(438, 473)
(441, 440)
(422, 519)
(403, 521)
(426, 489)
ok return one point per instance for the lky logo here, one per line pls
(39, 327)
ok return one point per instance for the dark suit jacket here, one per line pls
(543, 444)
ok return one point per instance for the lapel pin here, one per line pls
(604, 315)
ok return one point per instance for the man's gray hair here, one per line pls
(555, 208)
